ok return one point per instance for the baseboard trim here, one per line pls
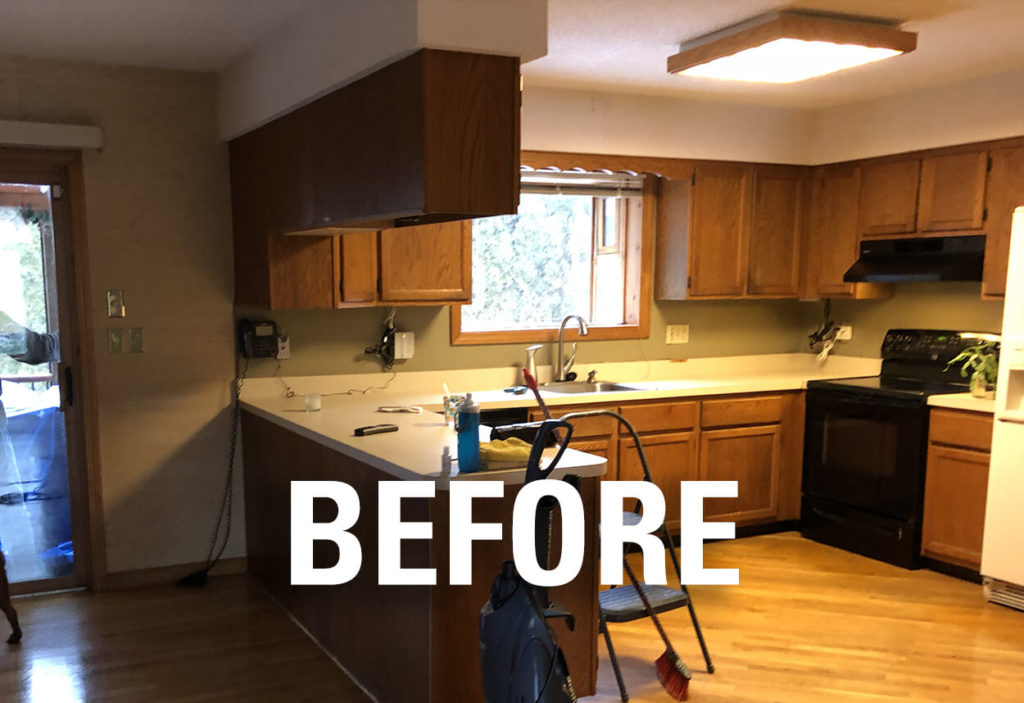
(954, 570)
(167, 575)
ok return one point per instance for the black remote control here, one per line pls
(375, 429)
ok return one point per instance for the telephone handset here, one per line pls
(257, 339)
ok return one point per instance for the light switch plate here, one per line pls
(284, 346)
(115, 303)
(677, 334)
(115, 340)
(844, 333)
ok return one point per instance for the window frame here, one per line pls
(639, 265)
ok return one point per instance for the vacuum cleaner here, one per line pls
(522, 662)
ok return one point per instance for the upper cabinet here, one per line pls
(923, 196)
(775, 231)
(953, 192)
(888, 197)
(717, 230)
(1005, 193)
(432, 137)
(832, 241)
(732, 230)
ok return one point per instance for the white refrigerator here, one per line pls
(1002, 555)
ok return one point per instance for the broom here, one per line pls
(672, 672)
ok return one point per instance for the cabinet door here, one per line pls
(1005, 192)
(671, 458)
(832, 246)
(355, 269)
(427, 262)
(750, 456)
(956, 486)
(952, 192)
(301, 272)
(888, 198)
(774, 249)
(718, 231)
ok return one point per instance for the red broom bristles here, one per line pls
(673, 675)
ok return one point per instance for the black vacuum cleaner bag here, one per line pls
(522, 663)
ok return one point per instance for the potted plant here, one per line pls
(981, 362)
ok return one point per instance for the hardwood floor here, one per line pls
(227, 642)
(810, 623)
(807, 623)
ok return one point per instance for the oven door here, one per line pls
(865, 451)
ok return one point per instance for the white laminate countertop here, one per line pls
(963, 401)
(411, 453)
(414, 452)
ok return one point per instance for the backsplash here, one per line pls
(955, 306)
(332, 341)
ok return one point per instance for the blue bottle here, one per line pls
(467, 424)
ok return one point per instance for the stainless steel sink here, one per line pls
(584, 387)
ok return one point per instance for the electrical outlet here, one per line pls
(284, 346)
(845, 333)
(677, 334)
(115, 340)
(405, 345)
(135, 340)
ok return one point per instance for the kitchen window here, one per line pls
(579, 244)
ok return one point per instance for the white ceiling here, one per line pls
(613, 45)
(621, 46)
(201, 35)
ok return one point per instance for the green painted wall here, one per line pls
(332, 341)
(955, 306)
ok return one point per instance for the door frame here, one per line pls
(63, 167)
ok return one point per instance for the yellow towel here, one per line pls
(504, 453)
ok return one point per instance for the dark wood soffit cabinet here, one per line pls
(429, 138)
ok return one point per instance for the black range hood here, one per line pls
(919, 259)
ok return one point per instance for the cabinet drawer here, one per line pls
(961, 429)
(583, 427)
(656, 417)
(729, 412)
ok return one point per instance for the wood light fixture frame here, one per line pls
(788, 24)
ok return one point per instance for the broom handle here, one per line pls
(647, 604)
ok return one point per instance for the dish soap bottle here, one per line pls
(467, 424)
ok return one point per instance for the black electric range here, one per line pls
(866, 443)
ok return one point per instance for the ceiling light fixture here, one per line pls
(788, 46)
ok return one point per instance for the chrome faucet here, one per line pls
(564, 367)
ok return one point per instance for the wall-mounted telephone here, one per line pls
(257, 339)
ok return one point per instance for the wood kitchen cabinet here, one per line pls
(935, 194)
(832, 243)
(952, 193)
(1005, 193)
(956, 486)
(427, 266)
(732, 231)
(888, 197)
(775, 231)
(668, 431)
(405, 266)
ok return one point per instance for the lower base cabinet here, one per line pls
(671, 457)
(752, 457)
(956, 486)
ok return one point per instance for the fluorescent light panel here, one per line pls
(789, 61)
(785, 47)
